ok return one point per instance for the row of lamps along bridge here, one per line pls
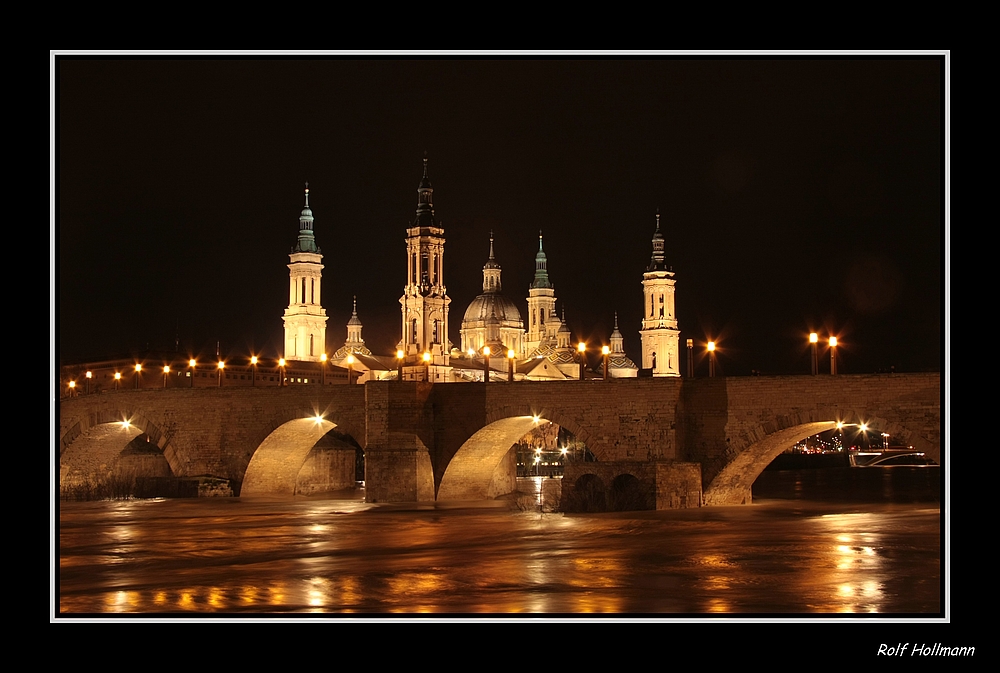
(581, 348)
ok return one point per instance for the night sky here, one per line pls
(796, 194)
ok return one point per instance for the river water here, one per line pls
(801, 547)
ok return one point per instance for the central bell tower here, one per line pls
(424, 304)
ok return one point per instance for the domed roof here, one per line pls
(491, 303)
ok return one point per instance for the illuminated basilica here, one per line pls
(494, 338)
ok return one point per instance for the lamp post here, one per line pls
(253, 371)
(510, 365)
(399, 364)
(711, 358)
(322, 375)
(222, 365)
(118, 378)
(427, 366)
(350, 368)
(690, 345)
(166, 370)
(72, 388)
(833, 355)
(192, 363)
(605, 351)
(814, 346)
(138, 370)
(89, 376)
(581, 350)
(281, 372)
(486, 364)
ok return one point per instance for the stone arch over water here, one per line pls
(91, 447)
(471, 472)
(754, 450)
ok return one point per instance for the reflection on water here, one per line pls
(225, 556)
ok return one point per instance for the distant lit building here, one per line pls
(305, 317)
(365, 366)
(660, 336)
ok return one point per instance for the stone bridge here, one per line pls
(690, 441)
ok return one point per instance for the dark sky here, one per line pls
(796, 193)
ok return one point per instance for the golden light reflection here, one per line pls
(277, 594)
(416, 583)
(186, 601)
(160, 598)
(718, 605)
(590, 604)
(217, 598)
(248, 595)
(122, 601)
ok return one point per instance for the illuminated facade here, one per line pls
(305, 317)
(424, 304)
(492, 319)
(659, 334)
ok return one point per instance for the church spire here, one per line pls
(425, 201)
(307, 239)
(617, 340)
(491, 272)
(541, 267)
(656, 262)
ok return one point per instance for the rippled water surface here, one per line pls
(227, 556)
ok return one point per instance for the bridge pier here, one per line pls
(631, 485)
(398, 475)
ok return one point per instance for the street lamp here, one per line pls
(322, 376)
(222, 365)
(814, 346)
(427, 366)
(486, 364)
(605, 351)
(281, 372)
(690, 345)
(581, 349)
(166, 370)
(192, 363)
(138, 370)
(833, 355)
(711, 358)
(399, 364)
(118, 378)
(253, 372)
(72, 388)
(510, 365)
(350, 368)
(89, 376)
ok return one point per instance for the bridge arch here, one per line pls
(754, 450)
(277, 461)
(90, 447)
(469, 474)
